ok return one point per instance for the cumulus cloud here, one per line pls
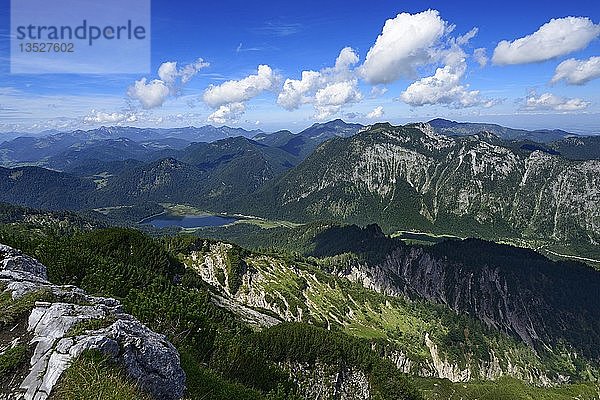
(409, 41)
(328, 89)
(376, 113)
(445, 85)
(169, 73)
(154, 93)
(227, 113)
(296, 92)
(405, 43)
(577, 72)
(150, 94)
(101, 117)
(480, 56)
(229, 97)
(377, 91)
(241, 90)
(330, 99)
(551, 102)
(553, 39)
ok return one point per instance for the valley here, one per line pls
(461, 186)
(425, 261)
(316, 200)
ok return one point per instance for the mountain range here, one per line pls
(453, 128)
(366, 262)
(402, 177)
(411, 178)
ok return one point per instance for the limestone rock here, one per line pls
(146, 356)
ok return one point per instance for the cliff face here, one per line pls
(545, 304)
(55, 331)
(270, 290)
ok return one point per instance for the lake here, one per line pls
(187, 221)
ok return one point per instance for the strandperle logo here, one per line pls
(80, 36)
(91, 33)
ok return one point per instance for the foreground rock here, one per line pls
(146, 356)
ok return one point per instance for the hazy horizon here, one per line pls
(287, 67)
(557, 122)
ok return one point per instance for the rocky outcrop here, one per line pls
(523, 293)
(146, 356)
(327, 382)
(444, 368)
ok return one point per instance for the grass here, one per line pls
(12, 311)
(421, 238)
(202, 383)
(91, 324)
(93, 376)
(12, 358)
(504, 389)
(267, 224)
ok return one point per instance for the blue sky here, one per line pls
(436, 73)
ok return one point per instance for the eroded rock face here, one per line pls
(145, 355)
(15, 261)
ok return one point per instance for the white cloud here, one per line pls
(229, 97)
(169, 73)
(154, 93)
(480, 56)
(445, 86)
(328, 90)
(151, 95)
(464, 39)
(549, 101)
(297, 92)
(405, 43)
(577, 72)
(243, 89)
(330, 99)
(376, 113)
(553, 39)
(227, 113)
(346, 59)
(101, 117)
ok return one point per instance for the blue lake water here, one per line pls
(188, 221)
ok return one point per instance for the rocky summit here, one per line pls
(50, 332)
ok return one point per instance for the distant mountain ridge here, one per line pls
(34, 150)
(401, 177)
(453, 128)
(66, 151)
(303, 143)
(208, 174)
